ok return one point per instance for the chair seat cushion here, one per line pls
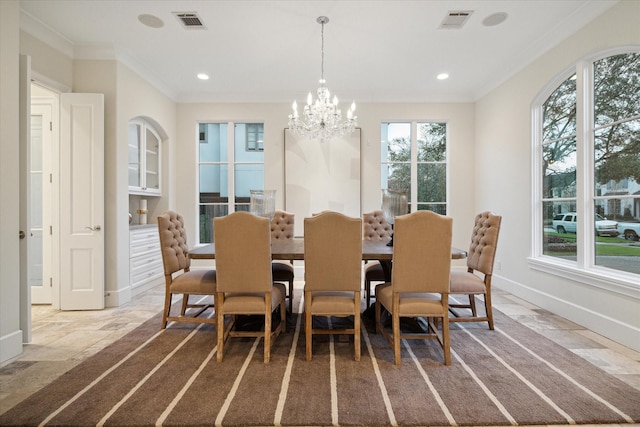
(463, 282)
(282, 271)
(252, 303)
(334, 303)
(373, 272)
(411, 304)
(195, 282)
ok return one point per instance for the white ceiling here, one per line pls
(269, 51)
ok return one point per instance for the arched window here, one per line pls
(587, 170)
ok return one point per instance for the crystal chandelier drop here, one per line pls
(322, 119)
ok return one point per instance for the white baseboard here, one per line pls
(601, 323)
(10, 345)
(118, 297)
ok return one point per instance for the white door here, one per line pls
(40, 224)
(81, 201)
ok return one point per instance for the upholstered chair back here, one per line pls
(243, 253)
(484, 240)
(173, 242)
(282, 225)
(422, 252)
(376, 226)
(332, 252)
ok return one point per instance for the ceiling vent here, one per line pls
(456, 19)
(189, 20)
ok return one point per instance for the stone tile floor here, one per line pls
(63, 339)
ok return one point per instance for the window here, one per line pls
(255, 137)
(227, 164)
(414, 159)
(589, 163)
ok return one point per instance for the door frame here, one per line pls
(45, 97)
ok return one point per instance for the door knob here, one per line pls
(22, 234)
(96, 228)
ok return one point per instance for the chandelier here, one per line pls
(322, 119)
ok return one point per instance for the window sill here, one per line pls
(613, 281)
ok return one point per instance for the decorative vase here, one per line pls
(263, 203)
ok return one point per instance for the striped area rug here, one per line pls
(510, 376)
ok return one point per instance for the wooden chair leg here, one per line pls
(472, 305)
(377, 321)
(396, 338)
(356, 327)
(267, 328)
(308, 327)
(220, 327)
(167, 309)
(488, 309)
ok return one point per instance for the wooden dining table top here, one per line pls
(293, 249)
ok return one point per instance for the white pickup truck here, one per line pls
(630, 230)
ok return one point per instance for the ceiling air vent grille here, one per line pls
(189, 20)
(456, 19)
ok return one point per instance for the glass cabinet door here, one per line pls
(152, 161)
(144, 159)
(134, 155)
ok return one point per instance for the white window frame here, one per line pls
(584, 269)
(231, 165)
(413, 204)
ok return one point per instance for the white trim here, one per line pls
(10, 345)
(603, 278)
(623, 333)
(117, 297)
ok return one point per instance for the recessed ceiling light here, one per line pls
(442, 76)
(203, 76)
(151, 21)
(494, 19)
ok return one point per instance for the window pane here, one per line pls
(559, 168)
(432, 182)
(213, 183)
(617, 156)
(213, 142)
(616, 88)
(432, 142)
(437, 208)
(247, 178)
(611, 251)
(207, 213)
(396, 176)
(559, 112)
(559, 231)
(241, 144)
(396, 142)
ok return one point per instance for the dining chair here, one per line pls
(244, 278)
(419, 285)
(174, 248)
(377, 228)
(477, 279)
(282, 227)
(333, 274)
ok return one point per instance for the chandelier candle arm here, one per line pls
(322, 119)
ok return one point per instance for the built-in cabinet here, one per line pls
(145, 259)
(144, 159)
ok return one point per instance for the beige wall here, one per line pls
(10, 333)
(504, 181)
(47, 64)
(460, 118)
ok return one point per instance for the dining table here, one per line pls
(293, 250)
